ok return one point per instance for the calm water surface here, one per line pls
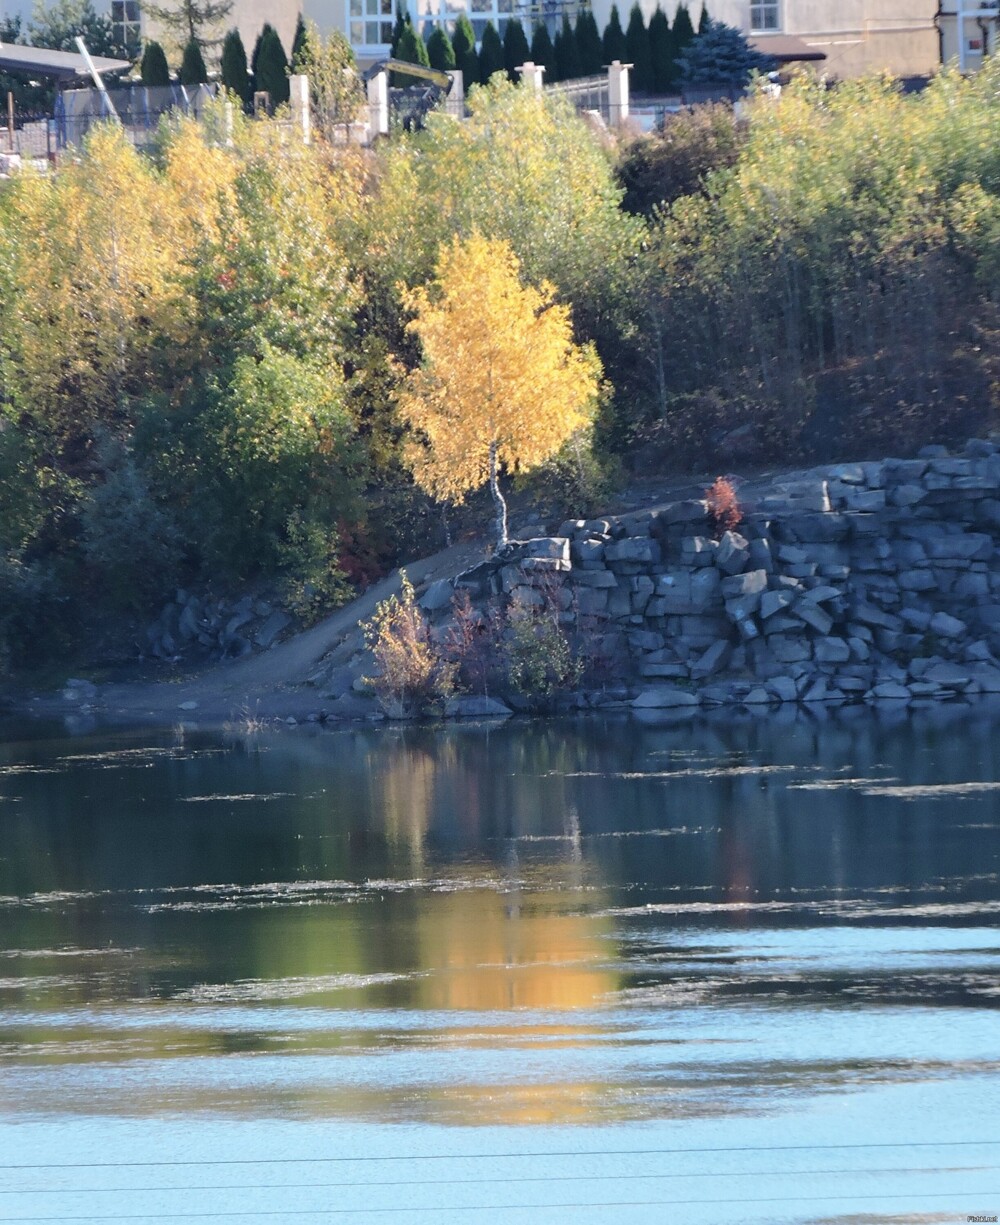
(741, 970)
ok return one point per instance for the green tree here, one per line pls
(515, 48)
(265, 31)
(271, 70)
(683, 30)
(567, 52)
(543, 52)
(57, 25)
(637, 51)
(299, 40)
(233, 69)
(191, 21)
(704, 19)
(661, 50)
(154, 70)
(192, 70)
(335, 88)
(589, 45)
(440, 51)
(721, 56)
(614, 39)
(523, 167)
(490, 54)
(466, 57)
(411, 50)
(399, 25)
(676, 160)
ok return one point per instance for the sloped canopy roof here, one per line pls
(57, 65)
(785, 48)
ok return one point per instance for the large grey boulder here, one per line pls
(661, 697)
(476, 706)
(733, 553)
(437, 596)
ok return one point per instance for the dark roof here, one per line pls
(60, 65)
(785, 49)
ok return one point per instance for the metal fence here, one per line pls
(586, 94)
(140, 109)
(32, 139)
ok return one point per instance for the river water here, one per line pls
(743, 969)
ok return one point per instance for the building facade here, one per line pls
(856, 36)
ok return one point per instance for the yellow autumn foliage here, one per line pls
(501, 375)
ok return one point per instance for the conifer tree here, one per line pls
(567, 53)
(440, 52)
(588, 44)
(543, 52)
(464, 43)
(614, 38)
(683, 30)
(299, 41)
(637, 50)
(190, 21)
(255, 54)
(154, 70)
(271, 72)
(515, 48)
(704, 19)
(400, 24)
(413, 50)
(661, 51)
(721, 56)
(233, 67)
(490, 54)
(193, 71)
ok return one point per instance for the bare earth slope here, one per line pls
(273, 684)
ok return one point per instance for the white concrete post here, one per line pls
(298, 86)
(378, 106)
(531, 75)
(228, 122)
(618, 92)
(455, 103)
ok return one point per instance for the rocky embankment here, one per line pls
(856, 582)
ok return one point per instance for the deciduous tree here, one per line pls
(334, 85)
(502, 385)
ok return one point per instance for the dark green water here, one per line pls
(744, 969)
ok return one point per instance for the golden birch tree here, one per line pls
(502, 384)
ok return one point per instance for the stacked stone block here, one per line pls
(844, 583)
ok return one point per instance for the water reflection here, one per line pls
(575, 922)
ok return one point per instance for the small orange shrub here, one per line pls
(723, 504)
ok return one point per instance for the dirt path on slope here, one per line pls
(273, 684)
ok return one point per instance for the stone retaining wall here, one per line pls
(850, 582)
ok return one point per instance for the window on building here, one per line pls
(371, 23)
(125, 23)
(764, 16)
